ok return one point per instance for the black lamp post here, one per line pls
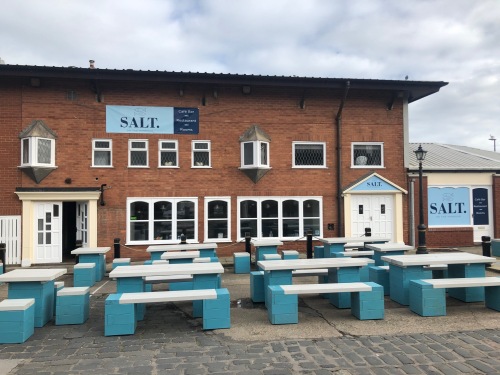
(422, 247)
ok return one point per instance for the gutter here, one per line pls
(338, 121)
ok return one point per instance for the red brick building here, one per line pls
(96, 154)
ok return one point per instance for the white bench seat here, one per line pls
(166, 279)
(468, 282)
(168, 296)
(311, 272)
(358, 253)
(326, 288)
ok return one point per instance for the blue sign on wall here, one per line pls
(151, 120)
(374, 183)
(449, 206)
(480, 206)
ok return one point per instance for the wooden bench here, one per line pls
(120, 311)
(428, 296)
(367, 300)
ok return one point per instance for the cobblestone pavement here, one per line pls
(173, 343)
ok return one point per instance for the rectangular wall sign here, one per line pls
(449, 206)
(151, 120)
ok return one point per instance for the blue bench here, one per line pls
(428, 296)
(72, 305)
(241, 262)
(17, 320)
(84, 274)
(120, 308)
(367, 300)
(120, 262)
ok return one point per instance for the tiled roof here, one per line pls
(443, 157)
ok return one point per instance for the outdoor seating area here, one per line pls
(363, 279)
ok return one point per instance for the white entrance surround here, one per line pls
(30, 198)
(375, 185)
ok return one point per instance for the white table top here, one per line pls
(345, 240)
(302, 264)
(266, 242)
(181, 255)
(436, 258)
(91, 250)
(32, 274)
(180, 247)
(167, 270)
(388, 247)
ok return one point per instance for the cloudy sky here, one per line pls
(457, 41)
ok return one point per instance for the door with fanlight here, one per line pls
(374, 211)
(48, 229)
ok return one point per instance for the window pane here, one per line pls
(270, 228)
(168, 145)
(44, 151)
(163, 210)
(138, 157)
(311, 225)
(186, 228)
(290, 227)
(139, 231)
(291, 208)
(138, 144)
(139, 211)
(270, 208)
(163, 230)
(102, 158)
(217, 229)
(101, 144)
(248, 209)
(201, 146)
(56, 210)
(248, 226)
(309, 154)
(185, 210)
(168, 158)
(367, 154)
(263, 154)
(48, 238)
(26, 151)
(217, 209)
(201, 158)
(311, 208)
(248, 153)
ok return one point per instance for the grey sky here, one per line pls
(456, 41)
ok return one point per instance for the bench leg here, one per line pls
(119, 319)
(399, 279)
(342, 275)
(467, 294)
(425, 300)
(132, 285)
(43, 293)
(283, 308)
(257, 286)
(276, 278)
(216, 312)
(208, 281)
(368, 305)
(380, 276)
(492, 297)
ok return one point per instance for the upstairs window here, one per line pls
(138, 153)
(101, 153)
(365, 154)
(201, 154)
(168, 154)
(309, 154)
(36, 151)
(255, 154)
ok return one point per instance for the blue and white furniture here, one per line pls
(84, 274)
(96, 255)
(241, 262)
(72, 305)
(17, 320)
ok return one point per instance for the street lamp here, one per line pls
(492, 138)
(422, 248)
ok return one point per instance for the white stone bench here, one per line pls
(367, 299)
(120, 311)
(167, 279)
(358, 253)
(428, 296)
(311, 272)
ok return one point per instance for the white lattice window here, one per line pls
(168, 154)
(201, 154)
(367, 154)
(138, 153)
(309, 154)
(101, 153)
(37, 151)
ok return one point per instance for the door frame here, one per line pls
(29, 197)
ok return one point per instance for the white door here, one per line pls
(481, 213)
(48, 229)
(374, 212)
(82, 217)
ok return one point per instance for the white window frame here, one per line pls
(370, 166)
(256, 154)
(109, 149)
(130, 149)
(33, 152)
(151, 201)
(295, 143)
(227, 200)
(194, 150)
(280, 200)
(175, 149)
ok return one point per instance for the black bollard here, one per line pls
(248, 246)
(3, 249)
(309, 248)
(486, 244)
(116, 248)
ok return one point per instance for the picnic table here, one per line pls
(340, 270)
(337, 244)
(34, 283)
(174, 257)
(382, 249)
(95, 255)
(205, 249)
(403, 268)
(265, 246)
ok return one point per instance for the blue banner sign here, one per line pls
(448, 206)
(151, 120)
(480, 206)
(374, 184)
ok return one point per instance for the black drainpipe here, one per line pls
(340, 216)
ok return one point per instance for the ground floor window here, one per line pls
(279, 217)
(217, 219)
(161, 220)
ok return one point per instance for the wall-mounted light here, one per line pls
(246, 89)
